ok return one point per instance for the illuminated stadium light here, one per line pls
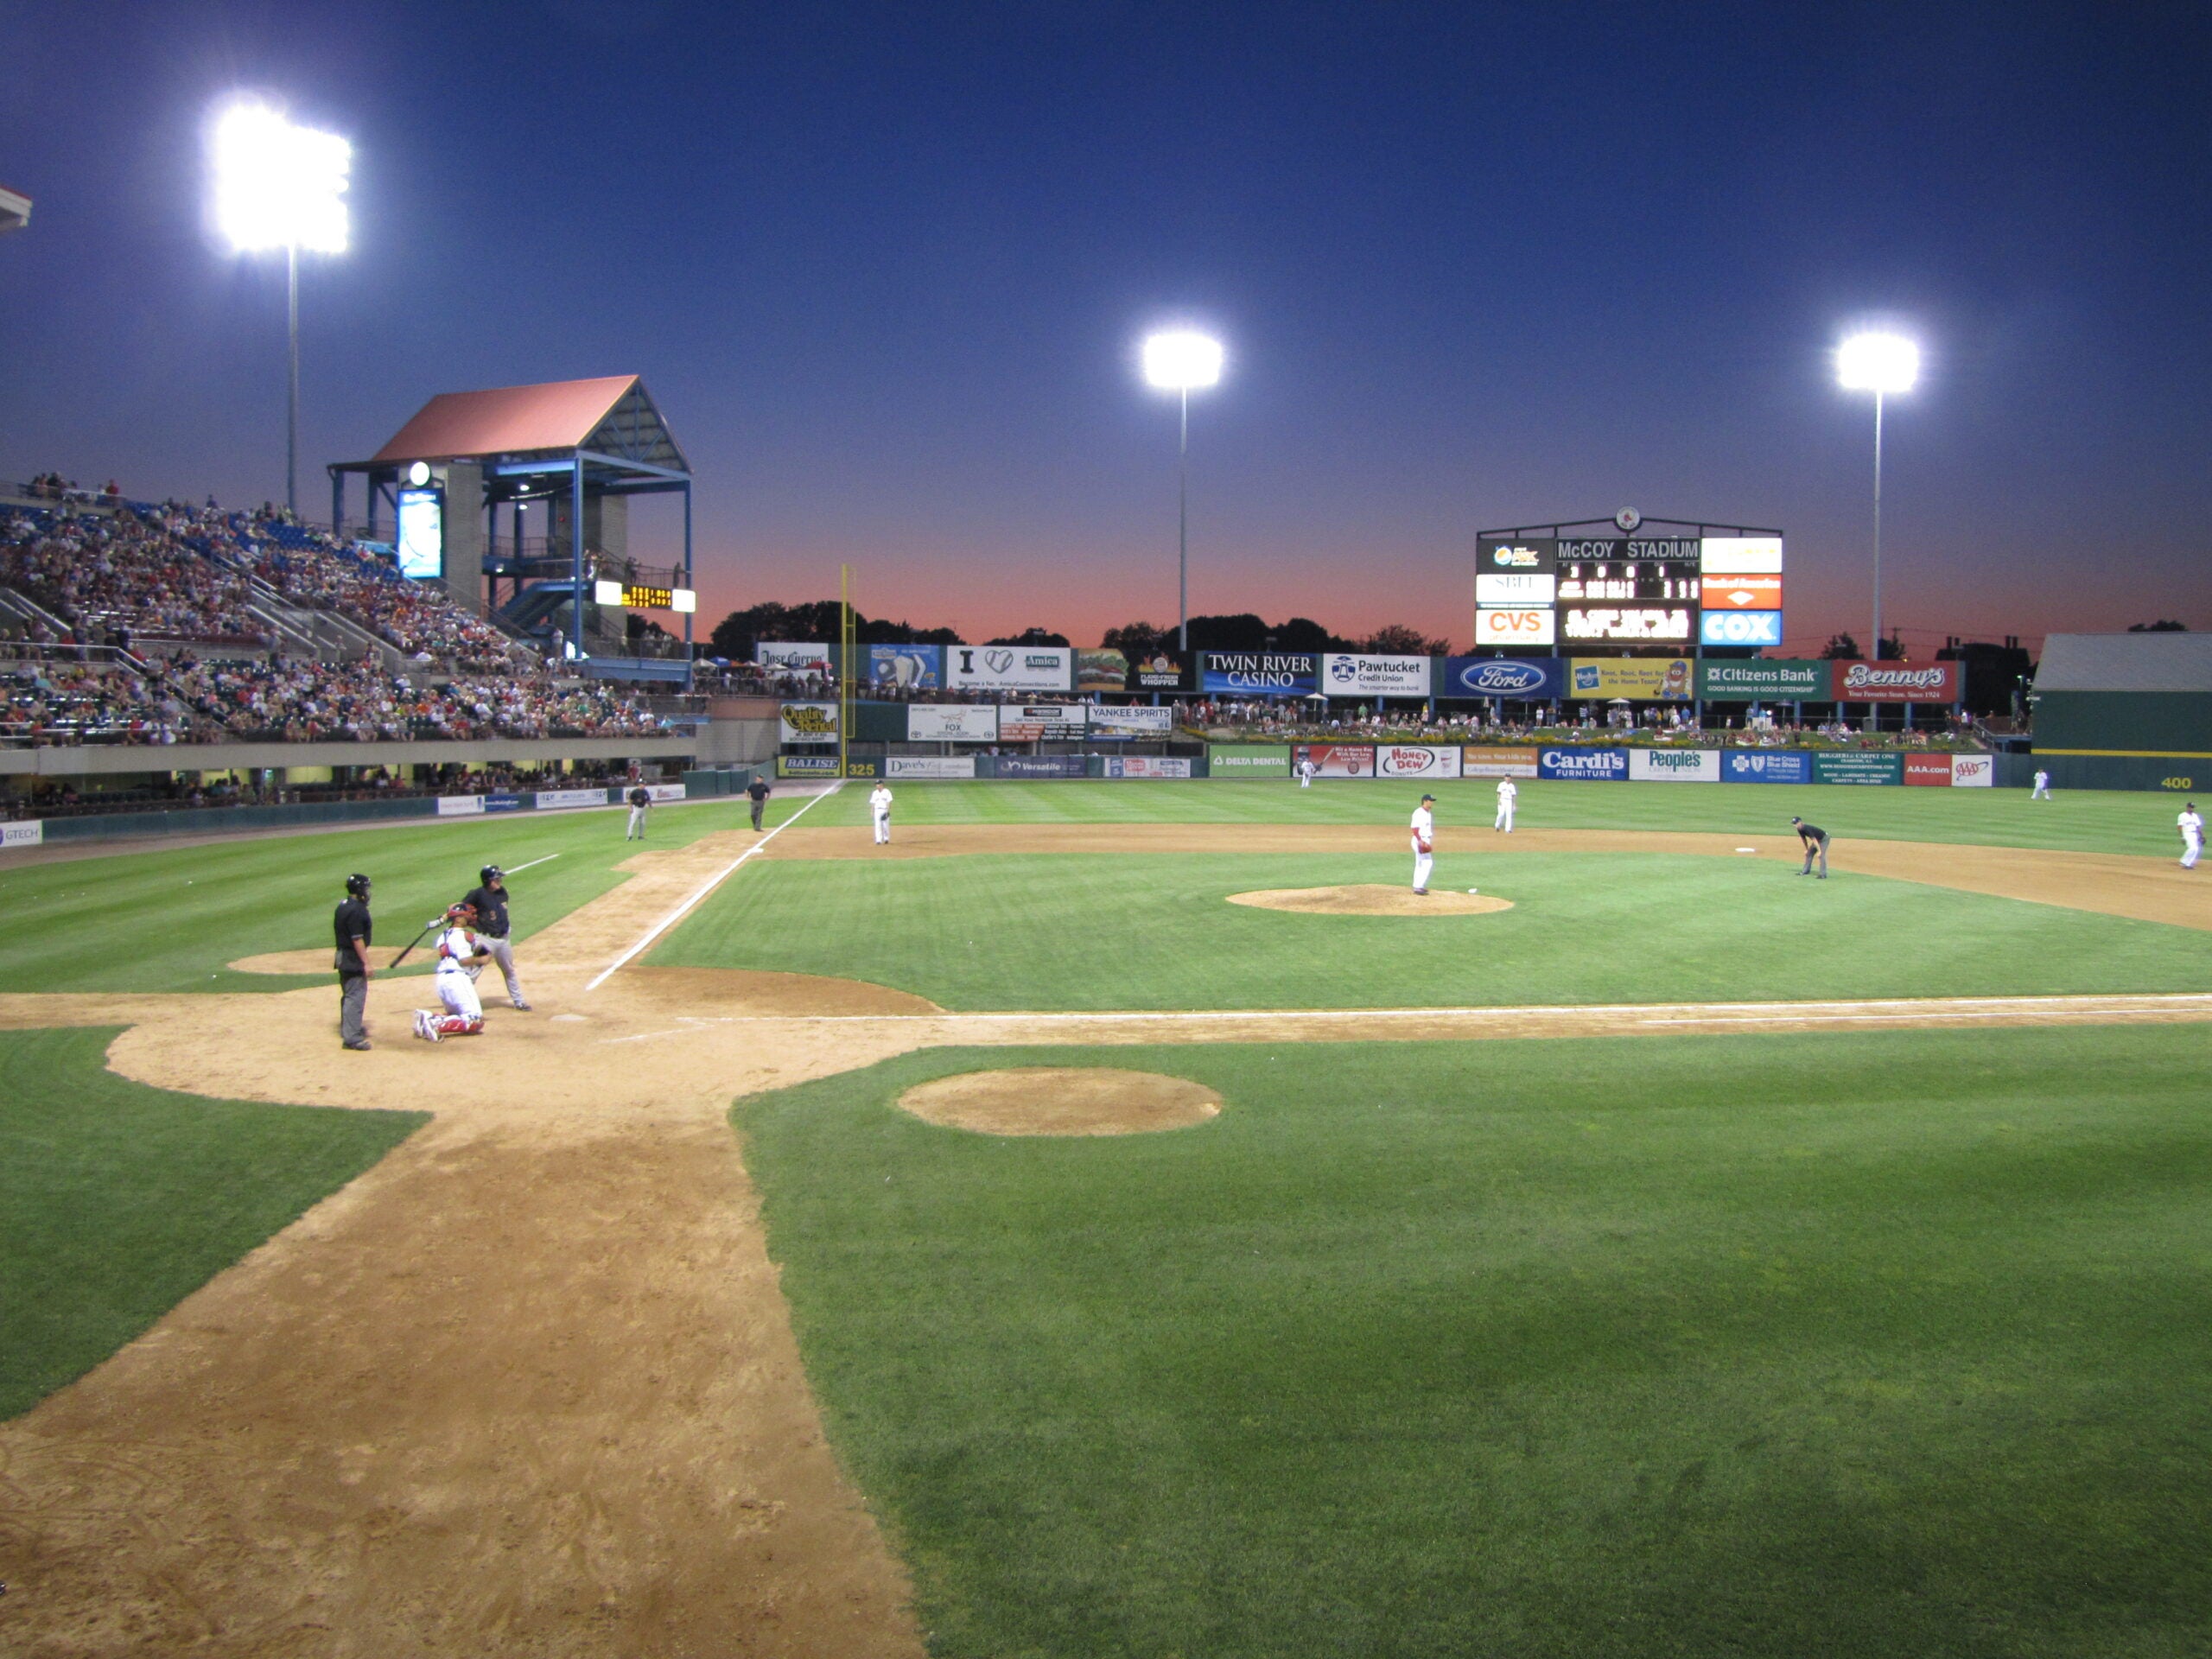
(278, 184)
(1877, 363)
(1182, 361)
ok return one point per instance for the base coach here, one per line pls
(490, 903)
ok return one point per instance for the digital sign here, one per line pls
(637, 597)
(1667, 624)
(421, 537)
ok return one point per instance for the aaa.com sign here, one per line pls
(1415, 760)
(1895, 682)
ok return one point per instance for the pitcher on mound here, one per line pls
(1424, 828)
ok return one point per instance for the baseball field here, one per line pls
(1115, 1219)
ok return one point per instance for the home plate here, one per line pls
(568, 1018)
(1747, 849)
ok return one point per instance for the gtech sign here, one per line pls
(1596, 764)
(1538, 679)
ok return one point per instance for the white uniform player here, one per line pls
(1424, 828)
(1306, 772)
(1507, 793)
(2042, 790)
(459, 956)
(2192, 836)
(878, 809)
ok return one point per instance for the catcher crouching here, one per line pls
(461, 957)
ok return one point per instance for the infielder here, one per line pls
(639, 800)
(1816, 845)
(2192, 834)
(1507, 793)
(350, 923)
(757, 792)
(1306, 772)
(879, 810)
(460, 958)
(489, 901)
(2042, 790)
(1424, 826)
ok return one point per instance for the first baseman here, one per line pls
(460, 958)
(489, 901)
(1507, 793)
(1424, 828)
(2192, 834)
(1816, 845)
(878, 809)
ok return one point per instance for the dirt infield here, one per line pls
(1061, 1100)
(529, 1385)
(1371, 899)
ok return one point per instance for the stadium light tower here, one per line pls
(281, 186)
(1182, 362)
(1880, 364)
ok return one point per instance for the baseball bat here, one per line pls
(427, 927)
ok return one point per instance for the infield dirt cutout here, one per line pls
(1061, 1100)
(1371, 898)
(530, 1384)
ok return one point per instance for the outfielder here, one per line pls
(2042, 790)
(489, 901)
(878, 809)
(1507, 793)
(639, 800)
(1816, 845)
(2192, 834)
(460, 958)
(1306, 772)
(1424, 826)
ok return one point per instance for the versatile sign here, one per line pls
(1336, 760)
(1481, 760)
(907, 668)
(1742, 593)
(809, 722)
(1740, 628)
(1532, 625)
(1740, 555)
(1753, 678)
(1026, 723)
(454, 806)
(1134, 721)
(1640, 679)
(1927, 771)
(1526, 679)
(1257, 673)
(1248, 759)
(1102, 670)
(1147, 766)
(1040, 765)
(1344, 675)
(929, 766)
(28, 833)
(952, 723)
(1516, 587)
(1675, 765)
(1415, 760)
(1010, 668)
(1896, 681)
(1494, 553)
(1582, 764)
(1668, 625)
(1857, 766)
(556, 800)
(1766, 766)
(1973, 772)
(795, 656)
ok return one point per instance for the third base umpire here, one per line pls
(490, 902)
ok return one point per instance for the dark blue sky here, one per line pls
(885, 268)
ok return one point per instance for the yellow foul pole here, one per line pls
(844, 663)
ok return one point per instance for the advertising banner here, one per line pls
(798, 656)
(1641, 679)
(1895, 682)
(1336, 760)
(1767, 766)
(1160, 672)
(1515, 588)
(809, 722)
(1040, 765)
(1973, 772)
(505, 803)
(1740, 555)
(1026, 723)
(870, 767)
(558, 800)
(1857, 766)
(1501, 627)
(907, 668)
(1344, 675)
(1569, 764)
(806, 765)
(31, 832)
(1675, 765)
(1752, 679)
(1102, 670)
(1248, 759)
(1481, 760)
(1671, 625)
(952, 723)
(1533, 553)
(1927, 771)
(1415, 760)
(1529, 679)
(1137, 721)
(662, 793)
(1147, 766)
(460, 806)
(1009, 668)
(929, 766)
(1740, 628)
(1742, 594)
(1257, 673)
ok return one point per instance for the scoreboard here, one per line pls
(1633, 589)
(1663, 590)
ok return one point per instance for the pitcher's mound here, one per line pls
(1372, 899)
(1061, 1100)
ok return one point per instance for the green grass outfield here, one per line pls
(1155, 930)
(1891, 1343)
(119, 1200)
(2107, 821)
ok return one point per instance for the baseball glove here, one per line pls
(1422, 844)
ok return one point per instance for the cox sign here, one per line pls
(1740, 627)
(1605, 765)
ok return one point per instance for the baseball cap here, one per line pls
(1428, 798)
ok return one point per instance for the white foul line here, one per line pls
(712, 882)
(533, 864)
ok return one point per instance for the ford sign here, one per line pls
(1527, 679)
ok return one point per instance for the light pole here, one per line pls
(281, 186)
(1880, 364)
(1181, 362)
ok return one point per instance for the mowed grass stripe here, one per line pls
(1154, 930)
(1883, 1344)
